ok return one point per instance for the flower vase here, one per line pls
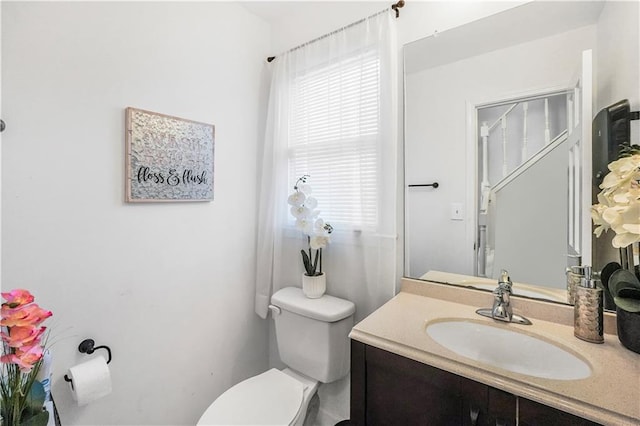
(314, 286)
(628, 324)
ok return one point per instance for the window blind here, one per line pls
(334, 135)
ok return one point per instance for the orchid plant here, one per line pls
(618, 205)
(22, 350)
(303, 208)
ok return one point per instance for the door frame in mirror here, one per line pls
(472, 151)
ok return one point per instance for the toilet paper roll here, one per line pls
(91, 380)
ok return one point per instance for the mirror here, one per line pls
(531, 63)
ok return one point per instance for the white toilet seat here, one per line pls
(270, 398)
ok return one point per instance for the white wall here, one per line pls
(417, 18)
(169, 287)
(436, 144)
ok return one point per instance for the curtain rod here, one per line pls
(395, 7)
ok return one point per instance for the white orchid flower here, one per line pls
(300, 212)
(623, 240)
(311, 203)
(625, 165)
(627, 226)
(318, 242)
(303, 224)
(618, 205)
(308, 220)
(296, 199)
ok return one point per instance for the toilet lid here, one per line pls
(271, 398)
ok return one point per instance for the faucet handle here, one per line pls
(504, 282)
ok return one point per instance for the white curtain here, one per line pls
(360, 261)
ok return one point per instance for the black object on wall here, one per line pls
(611, 128)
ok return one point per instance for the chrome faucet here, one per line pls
(502, 310)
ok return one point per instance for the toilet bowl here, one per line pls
(312, 336)
(272, 398)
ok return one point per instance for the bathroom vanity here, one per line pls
(389, 389)
(401, 375)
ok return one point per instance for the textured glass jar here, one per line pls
(574, 276)
(588, 314)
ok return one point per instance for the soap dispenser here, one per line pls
(588, 309)
(574, 278)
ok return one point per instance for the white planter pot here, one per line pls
(314, 287)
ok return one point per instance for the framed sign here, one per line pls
(168, 158)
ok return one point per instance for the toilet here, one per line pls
(313, 342)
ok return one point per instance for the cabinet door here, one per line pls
(535, 414)
(398, 391)
(475, 396)
(501, 410)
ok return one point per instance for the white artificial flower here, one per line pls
(300, 212)
(308, 220)
(296, 199)
(303, 224)
(625, 165)
(318, 242)
(618, 205)
(625, 172)
(311, 203)
(627, 225)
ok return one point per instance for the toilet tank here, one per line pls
(313, 334)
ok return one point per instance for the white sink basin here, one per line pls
(509, 350)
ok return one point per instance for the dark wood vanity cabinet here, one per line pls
(533, 414)
(388, 389)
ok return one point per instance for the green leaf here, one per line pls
(39, 419)
(620, 279)
(307, 262)
(629, 293)
(629, 305)
(627, 150)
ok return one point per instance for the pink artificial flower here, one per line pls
(13, 359)
(23, 336)
(30, 354)
(23, 315)
(25, 357)
(17, 297)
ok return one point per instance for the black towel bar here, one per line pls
(434, 184)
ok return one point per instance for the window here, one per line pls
(333, 137)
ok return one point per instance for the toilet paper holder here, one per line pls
(87, 346)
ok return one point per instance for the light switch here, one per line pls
(456, 211)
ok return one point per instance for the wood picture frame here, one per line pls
(168, 159)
